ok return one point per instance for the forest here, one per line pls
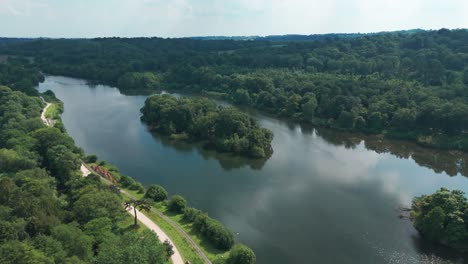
(224, 128)
(49, 213)
(408, 85)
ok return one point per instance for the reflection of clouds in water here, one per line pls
(391, 184)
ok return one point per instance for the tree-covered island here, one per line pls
(224, 128)
(442, 217)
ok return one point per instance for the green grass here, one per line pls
(126, 224)
(215, 255)
(54, 111)
(184, 247)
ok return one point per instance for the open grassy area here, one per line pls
(215, 255)
(54, 111)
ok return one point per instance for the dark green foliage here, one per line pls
(241, 254)
(357, 83)
(225, 128)
(91, 158)
(214, 231)
(145, 81)
(177, 204)
(156, 193)
(190, 214)
(442, 218)
(42, 195)
(169, 248)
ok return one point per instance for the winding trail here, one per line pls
(46, 121)
(176, 258)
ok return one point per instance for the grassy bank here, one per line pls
(54, 111)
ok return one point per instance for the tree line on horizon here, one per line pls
(409, 85)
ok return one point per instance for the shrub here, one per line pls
(190, 214)
(156, 193)
(177, 204)
(241, 254)
(221, 237)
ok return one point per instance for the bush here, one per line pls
(177, 204)
(137, 187)
(156, 193)
(190, 214)
(241, 254)
(91, 158)
(126, 181)
(221, 237)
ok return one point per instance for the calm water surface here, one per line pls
(323, 197)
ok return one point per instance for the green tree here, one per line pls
(74, 241)
(156, 193)
(177, 204)
(241, 254)
(142, 204)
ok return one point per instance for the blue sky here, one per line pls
(179, 18)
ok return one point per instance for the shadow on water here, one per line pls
(432, 253)
(226, 160)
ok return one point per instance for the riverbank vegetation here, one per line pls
(48, 212)
(212, 237)
(224, 128)
(408, 85)
(442, 217)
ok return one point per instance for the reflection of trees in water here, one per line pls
(450, 162)
(226, 160)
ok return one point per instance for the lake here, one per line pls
(322, 197)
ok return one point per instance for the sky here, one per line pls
(185, 18)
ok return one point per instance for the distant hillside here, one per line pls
(298, 37)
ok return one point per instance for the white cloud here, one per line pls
(229, 17)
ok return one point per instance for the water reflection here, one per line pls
(331, 197)
(226, 160)
(449, 162)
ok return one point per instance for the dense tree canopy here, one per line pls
(443, 218)
(409, 85)
(225, 128)
(48, 212)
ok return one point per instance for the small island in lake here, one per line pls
(224, 128)
(442, 217)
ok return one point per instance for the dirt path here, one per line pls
(46, 121)
(84, 171)
(176, 257)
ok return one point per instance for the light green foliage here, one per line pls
(14, 252)
(132, 248)
(74, 241)
(95, 204)
(11, 161)
(442, 217)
